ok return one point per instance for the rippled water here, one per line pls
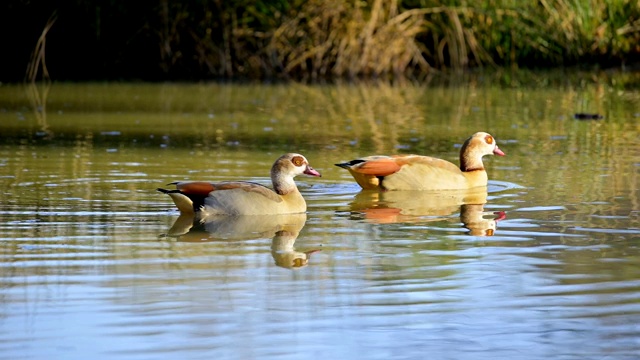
(96, 264)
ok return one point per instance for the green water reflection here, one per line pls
(105, 127)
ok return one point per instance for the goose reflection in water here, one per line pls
(283, 229)
(426, 206)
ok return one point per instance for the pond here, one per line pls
(95, 263)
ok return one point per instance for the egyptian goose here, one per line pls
(415, 172)
(243, 197)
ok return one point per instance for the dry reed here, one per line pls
(346, 39)
(38, 60)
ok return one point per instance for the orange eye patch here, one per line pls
(489, 139)
(297, 161)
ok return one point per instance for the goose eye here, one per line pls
(489, 139)
(297, 160)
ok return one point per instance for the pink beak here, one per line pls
(497, 151)
(311, 171)
(501, 215)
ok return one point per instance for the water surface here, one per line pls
(96, 263)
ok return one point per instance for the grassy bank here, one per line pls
(324, 39)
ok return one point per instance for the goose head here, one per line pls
(287, 167)
(477, 146)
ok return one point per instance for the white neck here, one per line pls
(283, 184)
(471, 161)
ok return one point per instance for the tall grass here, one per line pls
(328, 39)
(349, 39)
(557, 32)
(377, 38)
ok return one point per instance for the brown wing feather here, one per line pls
(203, 188)
(199, 188)
(378, 167)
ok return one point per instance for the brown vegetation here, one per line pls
(327, 39)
